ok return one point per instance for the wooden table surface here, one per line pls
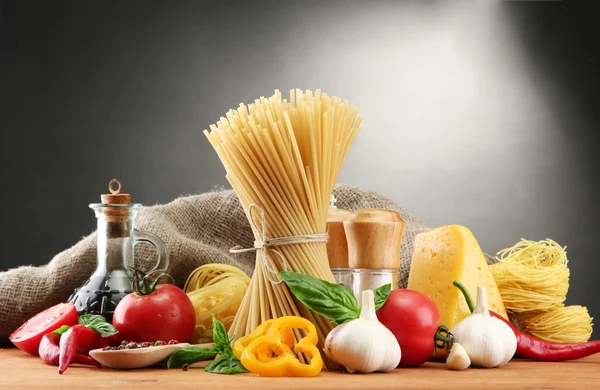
(19, 370)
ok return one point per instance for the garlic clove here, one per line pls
(458, 358)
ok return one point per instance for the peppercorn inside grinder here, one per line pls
(116, 239)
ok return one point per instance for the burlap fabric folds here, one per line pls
(197, 230)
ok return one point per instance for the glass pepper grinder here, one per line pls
(116, 239)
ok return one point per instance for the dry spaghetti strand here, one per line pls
(282, 158)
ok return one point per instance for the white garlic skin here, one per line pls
(488, 341)
(363, 345)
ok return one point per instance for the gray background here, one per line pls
(477, 113)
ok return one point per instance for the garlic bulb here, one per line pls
(364, 344)
(488, 341)
(458, 358)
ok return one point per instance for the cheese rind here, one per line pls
(446, 254)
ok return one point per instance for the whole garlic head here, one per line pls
(488, 341)
(364, 345)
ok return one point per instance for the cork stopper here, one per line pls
(115, 214)
(115, 196)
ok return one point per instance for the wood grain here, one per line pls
(21, 371)
(337, 246)
(374, 239)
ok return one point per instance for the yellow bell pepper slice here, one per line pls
(242, 343)
(255, 357)
(287, 337)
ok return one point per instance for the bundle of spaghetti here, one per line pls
(282, 159)
(532, 275)
(567, 324)
(215, 289)
(533, 280)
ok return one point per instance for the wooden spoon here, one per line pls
(139, 357)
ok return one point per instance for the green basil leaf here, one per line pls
(225, 365)
(104, 329)
(330, 300)
(235, 366)
(62, 330)
(98, 324)
(381, 295)
(189, 355)
(222, 342)
(87, 319)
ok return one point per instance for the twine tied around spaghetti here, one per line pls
(265, 244)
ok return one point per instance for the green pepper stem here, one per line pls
(466, 294)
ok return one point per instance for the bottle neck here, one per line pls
(114, 244)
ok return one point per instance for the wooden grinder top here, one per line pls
(374, 239)
(337, 246)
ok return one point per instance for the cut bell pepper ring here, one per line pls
(279, 340)
(263, 354)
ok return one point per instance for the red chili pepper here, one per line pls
(79, 337)
(530, 347)
(49, 351)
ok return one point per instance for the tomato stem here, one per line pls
(145, 284)
(443, 339)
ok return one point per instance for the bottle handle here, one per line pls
(161, 249)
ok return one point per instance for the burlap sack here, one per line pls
(196, 229)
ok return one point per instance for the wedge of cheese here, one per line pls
(446, 254)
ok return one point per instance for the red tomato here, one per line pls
(166, 313)
(414, 319)
(29, 335)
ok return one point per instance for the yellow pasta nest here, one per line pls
(215, 289)
(532, 275)
(568, 324)
(533, 279)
